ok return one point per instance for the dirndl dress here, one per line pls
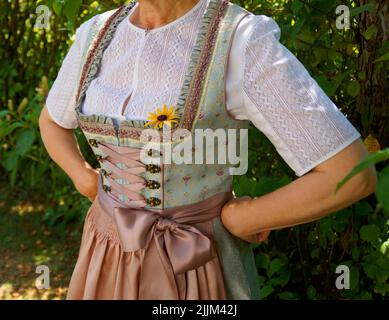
(140, 241)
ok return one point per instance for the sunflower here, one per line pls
(159, 118)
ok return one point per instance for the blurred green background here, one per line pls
(41, 214)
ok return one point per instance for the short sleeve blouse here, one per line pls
(266, 85)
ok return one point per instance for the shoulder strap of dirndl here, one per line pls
(100, 34)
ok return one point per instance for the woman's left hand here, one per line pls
(230, 219)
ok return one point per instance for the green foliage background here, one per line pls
(350, 65)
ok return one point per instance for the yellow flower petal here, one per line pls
(169, 114)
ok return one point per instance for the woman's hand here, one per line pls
(230, 219)
(63, 148)
(86, 182)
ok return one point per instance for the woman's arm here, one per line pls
(306, 199)
(63, 148)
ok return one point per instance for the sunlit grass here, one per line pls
(26, 242)
(25, 208)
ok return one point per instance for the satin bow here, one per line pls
(179, 244)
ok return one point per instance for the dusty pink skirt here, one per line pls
(105, 271)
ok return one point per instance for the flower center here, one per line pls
(162, 117)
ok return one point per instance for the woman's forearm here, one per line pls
(303, 200)
(63, 148)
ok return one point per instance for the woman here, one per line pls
(174, 231)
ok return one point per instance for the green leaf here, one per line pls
(353, 89)
(363, 208)
(354, 278)
(71, 9)
(325, 225)
(57, 7)
(25, 141)
(265, 291)
(324, 5)
(357, 11)
(10, 160)
(356, 252)
(382, 190)
(297, 28)
(276, 265)
(337, 82)
(385, 248)
(262, 261)
(366, 296)
(371, 270)
(370, 160)
(306, 37)
(370, 32)
(281, 280)
(311, 292)
(245, 186)
(340, 224)
(370, 233)
(381, 288)
(3, 113)
(297, 6)
(385, 57)
(9, 128)
(261, 280)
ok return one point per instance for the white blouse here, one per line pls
(265, 83)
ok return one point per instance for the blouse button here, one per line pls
(152, 201)
(93, 142)
(152, 184)
(99, 157)
(153, 168)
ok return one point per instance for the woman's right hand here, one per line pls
(84, 177)
(86, 183)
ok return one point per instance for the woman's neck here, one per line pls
(151, 14)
